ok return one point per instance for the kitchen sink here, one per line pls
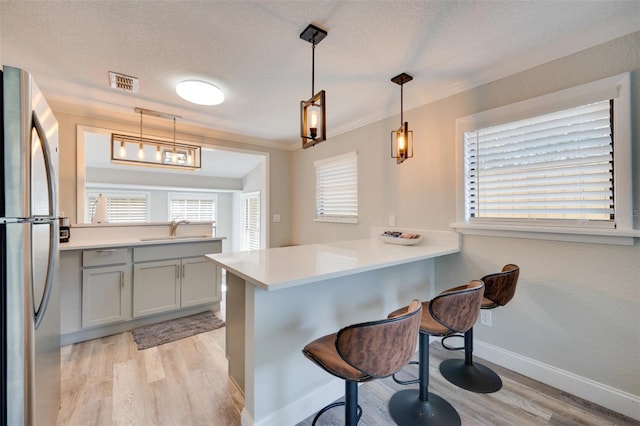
(175, 237)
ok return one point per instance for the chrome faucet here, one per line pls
(173, 226)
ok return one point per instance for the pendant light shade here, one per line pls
(402, 138)
(313, 129)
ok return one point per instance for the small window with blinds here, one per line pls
(122, 206)
(192, 207)
(555, 167)
(251, 221)
(337, 189)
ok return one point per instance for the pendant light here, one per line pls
(154, 152)
(313, 128)
(402, 139)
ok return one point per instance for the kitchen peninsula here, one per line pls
(280, 299)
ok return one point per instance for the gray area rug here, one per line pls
(152, 335)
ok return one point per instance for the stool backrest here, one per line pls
(381, 348)
(501, 286)
(458, 309)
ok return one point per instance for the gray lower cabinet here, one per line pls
(109, 290)
(172, 277)
(198, 275)
(106, 286)
(157, 287)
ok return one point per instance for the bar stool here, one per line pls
(366, 351)
(499, 290)
(452, 311)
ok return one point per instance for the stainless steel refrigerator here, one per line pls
(29, 243)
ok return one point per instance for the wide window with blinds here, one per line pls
(556, 166)
(553, 167)
(122, 206)
(192, 207)
(337, 189)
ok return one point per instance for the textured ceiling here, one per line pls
(252, 51)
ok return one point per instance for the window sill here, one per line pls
(582, 235)
(336, 220)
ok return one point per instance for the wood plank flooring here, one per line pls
(108, 381)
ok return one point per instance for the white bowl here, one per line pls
(400, 241)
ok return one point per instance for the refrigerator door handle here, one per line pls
(54, 232)
(48, 164)
(53, 248)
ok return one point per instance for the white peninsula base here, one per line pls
(280, 299)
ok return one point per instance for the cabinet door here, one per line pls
(156, 287)
(199, 282)
(106, 295)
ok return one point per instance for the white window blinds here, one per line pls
(251, 221)
(192, 209)
(557, 166)
(122, 207)
(337, 189)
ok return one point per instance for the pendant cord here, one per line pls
(140, 126)
(174, 134)
(401, 104)
(313, 67)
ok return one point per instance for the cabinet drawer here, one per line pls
(175, 250)
(100, 257)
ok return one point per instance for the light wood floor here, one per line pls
(109, 382)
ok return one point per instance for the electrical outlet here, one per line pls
(485, 317)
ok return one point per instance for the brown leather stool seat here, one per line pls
(499, 290)
(452, 311)
(366, 351)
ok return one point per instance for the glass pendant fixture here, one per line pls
(402, 139)
(313, 128)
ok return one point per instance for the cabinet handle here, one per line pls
(184, 267)
(177, 272)
(122, 279)
(106, 251)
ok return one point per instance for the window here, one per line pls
(557, 164)
(192, 207)
(337, 189)
(251, 221)
(122, 206)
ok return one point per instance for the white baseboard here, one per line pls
(302, 408)
(245, 418)
(598, 393)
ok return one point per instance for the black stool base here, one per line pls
(475, 377)
(406, 408)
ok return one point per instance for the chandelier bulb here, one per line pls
(122, 152)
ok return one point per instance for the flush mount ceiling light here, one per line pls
(140, 151)
(313, 128)
(402, 139)
(200, 92)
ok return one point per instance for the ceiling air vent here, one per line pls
(123, 82)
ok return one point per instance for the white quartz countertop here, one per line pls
(122, 241)
(278, 268)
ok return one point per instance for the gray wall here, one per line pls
(577, 307)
